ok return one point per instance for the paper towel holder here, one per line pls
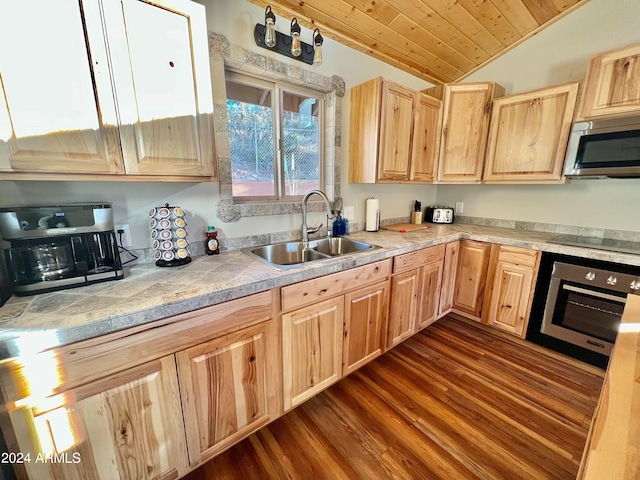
(372, 223)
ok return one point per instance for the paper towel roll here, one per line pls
(373, 207)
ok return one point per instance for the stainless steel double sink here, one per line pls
(293, 254)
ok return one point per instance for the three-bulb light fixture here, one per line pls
(266, 36)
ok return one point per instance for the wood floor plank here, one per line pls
(456, 401)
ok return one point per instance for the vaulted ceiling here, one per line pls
(438, 40)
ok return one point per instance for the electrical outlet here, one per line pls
(123, 235)
(459, 207)
(349, 213)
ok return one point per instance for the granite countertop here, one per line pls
(149, 293)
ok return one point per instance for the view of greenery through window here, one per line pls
(258, 168)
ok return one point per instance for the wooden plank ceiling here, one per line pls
(438, 40)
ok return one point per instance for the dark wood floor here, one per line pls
(453, 402)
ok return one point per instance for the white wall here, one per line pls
(557, 55)
(235, 19)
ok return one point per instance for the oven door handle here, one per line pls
(593, 293)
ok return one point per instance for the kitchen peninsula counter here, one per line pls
(149, 293)
(612, 449)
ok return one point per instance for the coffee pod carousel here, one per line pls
(169, 236)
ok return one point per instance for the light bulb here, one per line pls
(270, 34)
(270, 28)
(317, 54)
(296, 48)
(317, 47)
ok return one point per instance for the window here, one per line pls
(275, 138)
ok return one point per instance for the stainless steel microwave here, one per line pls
(604, 148)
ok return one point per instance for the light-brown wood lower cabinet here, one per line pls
(365, 324)
(127, 425)
(311, 350)
(403, 313)
(415, 292)
(430, 287)
(226, 389)
(324, 340)
(471, 278)
(511, 283)
(451, 253)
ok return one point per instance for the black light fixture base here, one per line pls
(283, 45)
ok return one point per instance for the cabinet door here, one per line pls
(403, 311)
(426, 138)
(612, 85)
(365, 323)
(430, 288)
(451, 254)
(57, 107)
(225, 390)
(528, 135)
(311, 350)
(128, 425)
(465, 126)
(471, 277)
(511, 283)
(164, 85)
(396, 126)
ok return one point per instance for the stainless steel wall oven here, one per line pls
(577, 305)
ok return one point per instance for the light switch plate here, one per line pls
(459, 207)
(349, 213)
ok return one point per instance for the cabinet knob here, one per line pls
(635, 285)
(590, 276)
(612, 280)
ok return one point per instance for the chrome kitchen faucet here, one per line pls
(306, 230)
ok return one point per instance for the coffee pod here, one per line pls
(179, 233)
(163, 212)
(154, 234)
(153, 223)
(157, 255)
(181, 243)
(153, 212)
(168, 255)
(177, 212)
(166, 245)
(182, 253)
(164, 223)
(179, 222)
(166, 234)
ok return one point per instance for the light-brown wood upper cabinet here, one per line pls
(127, 425)
(511, 283)
(393, 134)
(160, 64)
(612, 85)
(227, 388)
(465, 126)
(528, 136)
(131, 94)
(51, 117)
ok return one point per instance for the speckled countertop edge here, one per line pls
(149, 293)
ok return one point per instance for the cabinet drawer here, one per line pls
(416, 259)
(518, 256)
(318, 289)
